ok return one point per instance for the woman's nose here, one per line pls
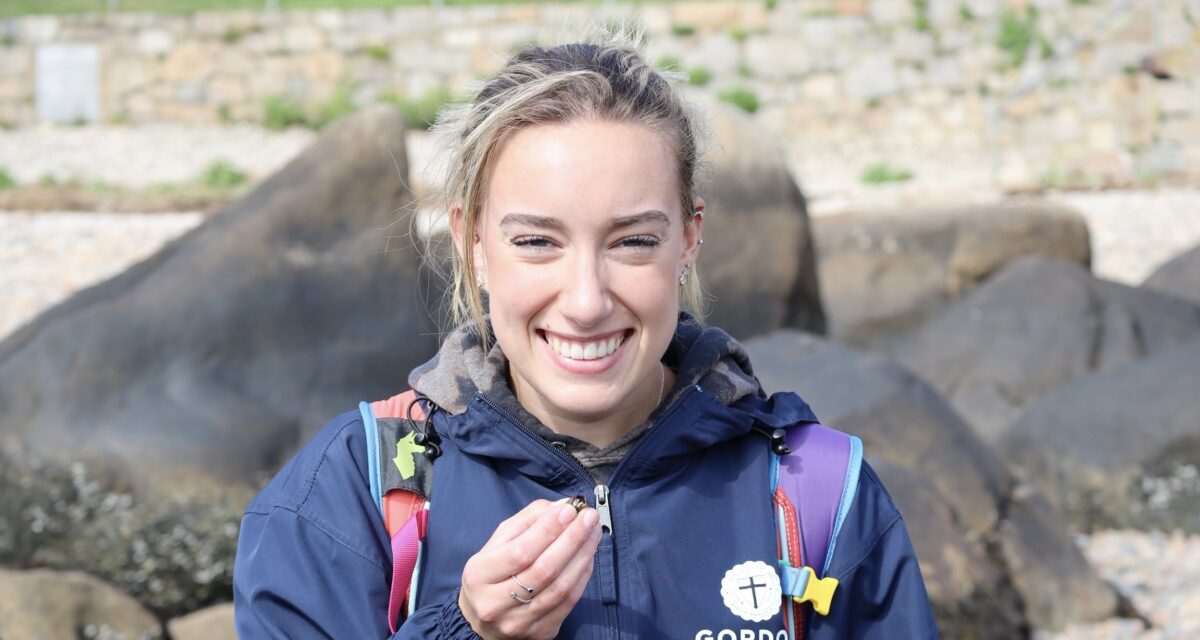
(586, 297)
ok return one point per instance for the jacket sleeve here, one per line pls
(313, 558)
(880, 593)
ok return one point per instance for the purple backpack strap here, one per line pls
(820, 477)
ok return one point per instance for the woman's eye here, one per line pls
(533, 242)
(639, 242)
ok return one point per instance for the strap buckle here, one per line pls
(803, 585)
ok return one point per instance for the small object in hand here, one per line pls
(578, 502)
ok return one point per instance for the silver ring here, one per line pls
(518, 598)
(527, 588)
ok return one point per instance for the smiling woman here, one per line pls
(573, 372)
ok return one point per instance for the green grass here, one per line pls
(699, 76)
(222, 176)
(881, 172)
(668, 63)
(12, 8)
(6, 180)
(740, 97)
(420, 112)
(682, 30)
(378, 52)
(1016, 34)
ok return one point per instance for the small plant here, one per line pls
(47, 180)
(881, 172)
(741, 97)
(224, 114)
(420, 112)
(744, 70)
(1081, 2)
(1016, 34)
(6, 180)
(738, 33)
(965, 13)
(921, 21)
(379, 52)
(223, 176)
(8, 40)
(668, 63)
(234, 35)
(699, 76)
(683, 30)
(119, 118)
(771, 4)
(280, 112)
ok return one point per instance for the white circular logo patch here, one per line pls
(751, 591)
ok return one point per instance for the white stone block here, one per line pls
(872, 76)
(153, 42)
(910, 45)
(68, 83)
(892, 12)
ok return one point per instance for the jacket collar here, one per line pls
(696, 421)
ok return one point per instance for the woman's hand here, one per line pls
(549, 548)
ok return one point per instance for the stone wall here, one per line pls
(1023, 93)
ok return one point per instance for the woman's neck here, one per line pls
(599, 431)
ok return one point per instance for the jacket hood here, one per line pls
(699, 356)
(463, 379)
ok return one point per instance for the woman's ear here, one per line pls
(693, 233)
(458, 232)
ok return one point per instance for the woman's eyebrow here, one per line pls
(531, 220)
(653, 215)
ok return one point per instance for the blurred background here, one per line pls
(965, 230)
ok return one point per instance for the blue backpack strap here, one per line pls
(818, 480)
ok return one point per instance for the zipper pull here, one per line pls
(603, 509)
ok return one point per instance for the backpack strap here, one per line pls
(400, 488)
(813, 487)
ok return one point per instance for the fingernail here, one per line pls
(566, 513)
(590, 518)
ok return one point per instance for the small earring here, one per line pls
(683, 274)
(478, 279)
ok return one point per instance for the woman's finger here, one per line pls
(573, 542)
(516, 524)
(572, 574)
(503, 559)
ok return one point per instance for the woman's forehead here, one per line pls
(605, 168)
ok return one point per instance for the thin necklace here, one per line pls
(662, 380)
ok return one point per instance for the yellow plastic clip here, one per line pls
(817, 591)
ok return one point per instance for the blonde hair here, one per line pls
(603, 80)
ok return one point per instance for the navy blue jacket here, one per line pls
(690, 501)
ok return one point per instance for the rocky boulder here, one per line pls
(1033, 326)
(757, 263)
(1120, 449)
(141, 414)
(884, 273)
(53, 604)
(1179, 277)
(973, 525)
(213, 623)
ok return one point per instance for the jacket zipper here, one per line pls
(606, 551)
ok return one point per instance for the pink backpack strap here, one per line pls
(405, 512)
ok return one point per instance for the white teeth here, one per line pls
(584, 351)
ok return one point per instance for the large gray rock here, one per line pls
(757, 263)
(1121, 448)
(178, 386)
(884, 273)
(970, 522)
(1035, 325)
(1179, 277)
(213, 623)
(52, 604)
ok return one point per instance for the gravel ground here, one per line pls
(45, 257)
